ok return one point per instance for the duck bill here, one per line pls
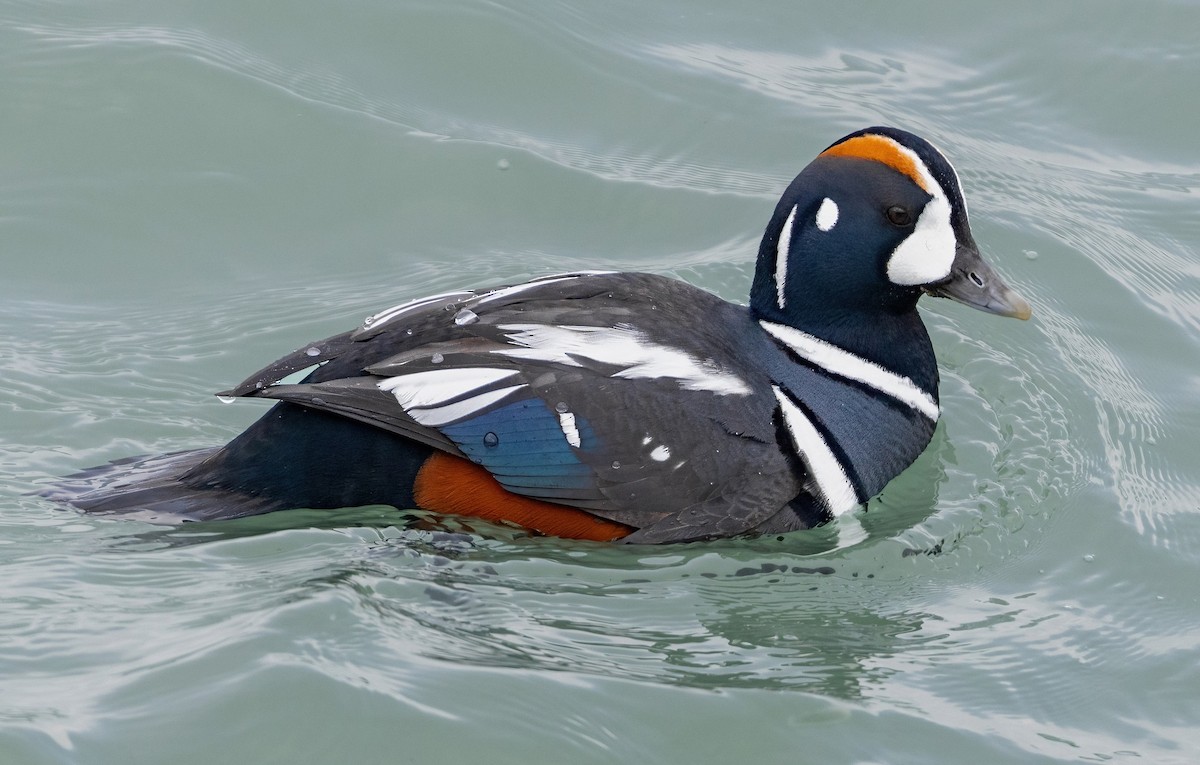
(973, 282)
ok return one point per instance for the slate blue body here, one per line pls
(634, 397)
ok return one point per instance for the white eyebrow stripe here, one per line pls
(842, 363)
(781, 256)
(823, 465)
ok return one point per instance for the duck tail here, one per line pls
(151, 488)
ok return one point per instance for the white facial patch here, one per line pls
(823, 465)
(927, 254)
(781, 257)
(621, 346)
(827, 215)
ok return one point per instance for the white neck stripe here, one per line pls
(823, 465)
(781, 256)
(845, 364)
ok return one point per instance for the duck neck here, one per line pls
(896, 341)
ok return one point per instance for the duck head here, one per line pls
(874, 222)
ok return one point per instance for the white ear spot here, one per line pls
(827, 214)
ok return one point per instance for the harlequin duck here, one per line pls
(622, 406)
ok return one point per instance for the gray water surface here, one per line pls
(190, 190)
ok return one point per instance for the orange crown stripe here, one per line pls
(880, 149)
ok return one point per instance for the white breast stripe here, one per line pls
(622, 346)
(835, 487)
(845, 364)
(781, 256)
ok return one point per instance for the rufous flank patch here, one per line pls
(448, 484)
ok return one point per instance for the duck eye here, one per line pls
(898, 216)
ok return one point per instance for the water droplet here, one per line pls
(437, 358)
(226, 399)
(502, 164)
(491, 439)
(318, 401)
(561, 407)
(465, 316)
(408, 331)
(1031, 254)
(260, 385)
(1089, 557)
(368, 321)
(313, 351)
(616, 464)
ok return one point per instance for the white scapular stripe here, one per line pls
(781, 257)
(827, 214)
(373, 322)
(823, 465)
(845, 364)
(927, 254)
(566, 421)
(431, 397)
(621, 346)
(504, 292)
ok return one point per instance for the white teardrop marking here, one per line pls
(827, 215)
(566, 422)
(781, 257)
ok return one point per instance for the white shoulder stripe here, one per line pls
(781, 256)
(823, 464)
(845, 364)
